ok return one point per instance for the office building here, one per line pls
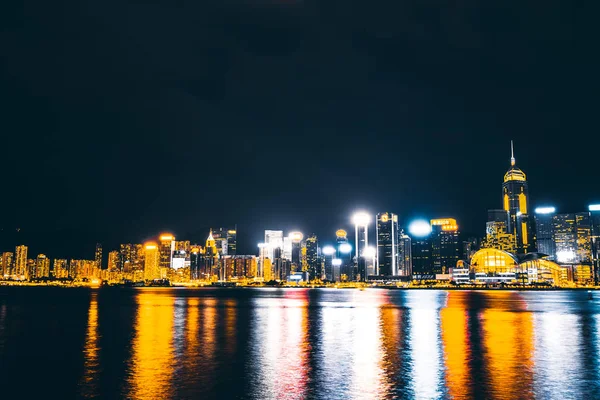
(232, 241)
(273, 240)
(544, 231)
(345, 271)
(98, 256)
(594, 211)
(42, 266)
(361, 234)
(445, 250)
(387, 235)
(166, 247)
(296, 240)
(220, 237)
(312, 257)
(515, 198)
(60, 268)
(6, 264)
(152, 261)
(113, 261)
(21, 262)
(405, 255)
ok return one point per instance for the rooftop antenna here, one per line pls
(512, 154)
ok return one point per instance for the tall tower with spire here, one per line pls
(515, 199)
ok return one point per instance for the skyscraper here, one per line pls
(404, 255)
(296, 239)
(544, 231)
(594, 210)
(152, 259)
(60, 268)
(42, 266)
(515, 197)
(565, 238)
(273, 240)
(496, 232)
(98, 257)
(220, 237)
(113, 261)
(361, 234)
(166, 248)
(345, 270)
(21, 262)
(6, 264)
(387, 244)
(445, 249)
(312, 257)
(232, 241)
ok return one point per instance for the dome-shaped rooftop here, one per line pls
(514, 174)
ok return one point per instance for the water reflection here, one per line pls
(89, 383)
(153, 353)
(455, 337)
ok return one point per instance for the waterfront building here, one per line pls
(220, 237)
(166, 247)
(152, 261)
(422, 263)
(21, 262)
(312, 257)
(60, 268)
(345, 271)
(232, 241)
(113, 261)
(515, 198)
(387, 235)
(405, 255)
(594, 210)
(6, 263)
(131, 258)
(98, 256)
(296, 239)
(361, 235)
(445, 250)
(273, 240)
(544, 231)
(42, 266)
(497, 235)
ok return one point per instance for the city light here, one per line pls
(419, 228)
(545, 210)
(261, 245)
(361, 219)
(328, 250)
(369, 252)
(336, 262)
(345, 248)
(341, 233)
(296, 236)
(565, 256)
(594, 207)
(166, 237)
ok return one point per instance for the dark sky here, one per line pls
(120, 119)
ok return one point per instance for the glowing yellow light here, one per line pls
(150, 246)
(385, 218)
(453, 228)
(95, 282)
(296, 236)
(443, 221)
(341, 233)
(166, 236)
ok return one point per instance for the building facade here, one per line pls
(387, 235)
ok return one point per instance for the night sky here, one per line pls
(121, 119)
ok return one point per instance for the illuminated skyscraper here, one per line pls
(345, 270)
(594, 210)
(584, 244)
(515, 197)
(21, 262)
(166, 248)
(98, 257)
(565, 238)
(152, 259)
(131, 258)
(220, 237)
(42, 266)
(60, 268)
(361, 234)
(113, 261)
(544, 231)
(273, 240)
(232, 241)
(387, 244)
(445, 250)
(312, 257)
(496, 231)
(211, 258)
(296, 239)
(404, 255)
(422, 263)
(6, 263)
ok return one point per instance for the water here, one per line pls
(159, 343)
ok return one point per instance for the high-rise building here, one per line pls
(131, 258)
(273, 240)
(232, 241)
(361, 235)
(182, 245)
(42, 266)
(196, 262)
(286, 250)
(6, 264)
(113, 261)
(312, 257)
(470, 246)
(21, 262)
(296, 239)
(166, 248)
(422, 263)
(60, 268)
(98, 257)
(584, 243)
(345, 270)
(387, 244)
(565, 238)
(515, 197)
(594, 210)
(220, 237)
(152, 261)
(445, 251)
(496, 232)
(211, 258)
(544, 231)
(404, 255)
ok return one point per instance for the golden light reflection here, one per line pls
(508, 341)
(391, 342)
(153, 359)
(91, 350)
(453, 321)
(230, 325)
